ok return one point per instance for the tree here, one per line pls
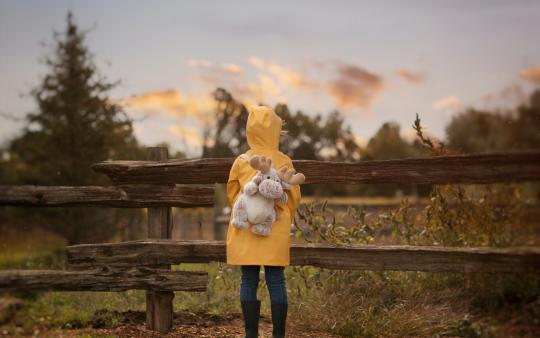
(75, 125)
(304, 137)
(227, 137)
(315, 138)
(387, 144)
(480, 131)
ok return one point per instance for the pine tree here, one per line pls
(75, 125)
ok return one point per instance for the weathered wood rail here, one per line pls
(456, 169)
(103, 279)
(152, 184)
(365, 257)
(124, 196)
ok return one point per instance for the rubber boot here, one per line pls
(251, 311)
(279, 318)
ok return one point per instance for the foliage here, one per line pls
(387, 144)
(227, 137)
(306, 137)
(75, 125)
(481, 131)
(378, 304)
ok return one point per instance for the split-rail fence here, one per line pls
(152, 184)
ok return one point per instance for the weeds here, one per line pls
(396, 304)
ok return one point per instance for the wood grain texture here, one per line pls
(124, 196)
(159, 304)
(474, 169)
(404, 258)
(103, 279)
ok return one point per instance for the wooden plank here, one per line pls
(123, 196)
(465, 169)
(159, 304)
(103, 279)
(367, 257)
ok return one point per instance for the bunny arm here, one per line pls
(252, 186)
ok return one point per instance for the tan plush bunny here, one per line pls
(256, 203)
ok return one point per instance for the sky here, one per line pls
(374, 61)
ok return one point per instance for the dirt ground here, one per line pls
(186, 324)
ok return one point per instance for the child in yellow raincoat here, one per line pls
(249, 250)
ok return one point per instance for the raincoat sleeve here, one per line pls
(294, 197)
(233, 184)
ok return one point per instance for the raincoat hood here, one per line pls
(263, 128)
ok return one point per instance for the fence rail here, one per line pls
(124, 196)
(365, 257)
(103, 279)
(475, 169)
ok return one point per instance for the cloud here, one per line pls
(188, 133)
(349, 86)
(172, 102)
(226, 67)
(231, 68)
(289, 77)
(513, 94)
(266, 87)
(447, 103)
(355, 87)
(531, 74)
(411, 76)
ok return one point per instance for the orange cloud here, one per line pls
(531, 74)
(283, 74)
(172, 102)
(447, 103)
(355, 87)
(410, 76)
(231, 68)
(227, 67)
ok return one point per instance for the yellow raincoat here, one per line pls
(244, 247)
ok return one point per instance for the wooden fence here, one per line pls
(152, 184)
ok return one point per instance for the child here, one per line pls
(249, 250)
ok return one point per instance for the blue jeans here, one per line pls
(275, 281)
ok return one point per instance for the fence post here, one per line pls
(159, 304)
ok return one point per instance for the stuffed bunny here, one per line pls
(255, 204)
